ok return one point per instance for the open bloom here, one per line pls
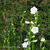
(33, 10)
(25, 44)
(42, 39)
(35, 30)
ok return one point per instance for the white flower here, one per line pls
(31, 22)
(27, 22)
(34, 40)
(35, 30)
(42, 39)
(33, 10)
(25, 44)
(25, 39)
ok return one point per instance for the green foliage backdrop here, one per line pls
(12, 12)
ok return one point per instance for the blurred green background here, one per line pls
(10, 16)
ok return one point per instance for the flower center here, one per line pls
(34, 29)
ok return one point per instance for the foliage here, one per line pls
(13, 29)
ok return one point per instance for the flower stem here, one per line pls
(22, 24)
(8, 43)
(32, 46)
(41, 45)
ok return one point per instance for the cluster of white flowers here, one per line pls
(34, 28)
(33, 11)
(25, 44)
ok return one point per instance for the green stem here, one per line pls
(21, 41)
(13, 35)
(4, 42)
(21, 35)
(11, 48)
(8, 48)
(36, 18)
(22, 24)
(32, 46)
(14, 38)
(8, 42)
(41, 45)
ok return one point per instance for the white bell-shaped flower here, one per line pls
(25, 44)
(33, 10)
(42, 39)
(35, 30)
